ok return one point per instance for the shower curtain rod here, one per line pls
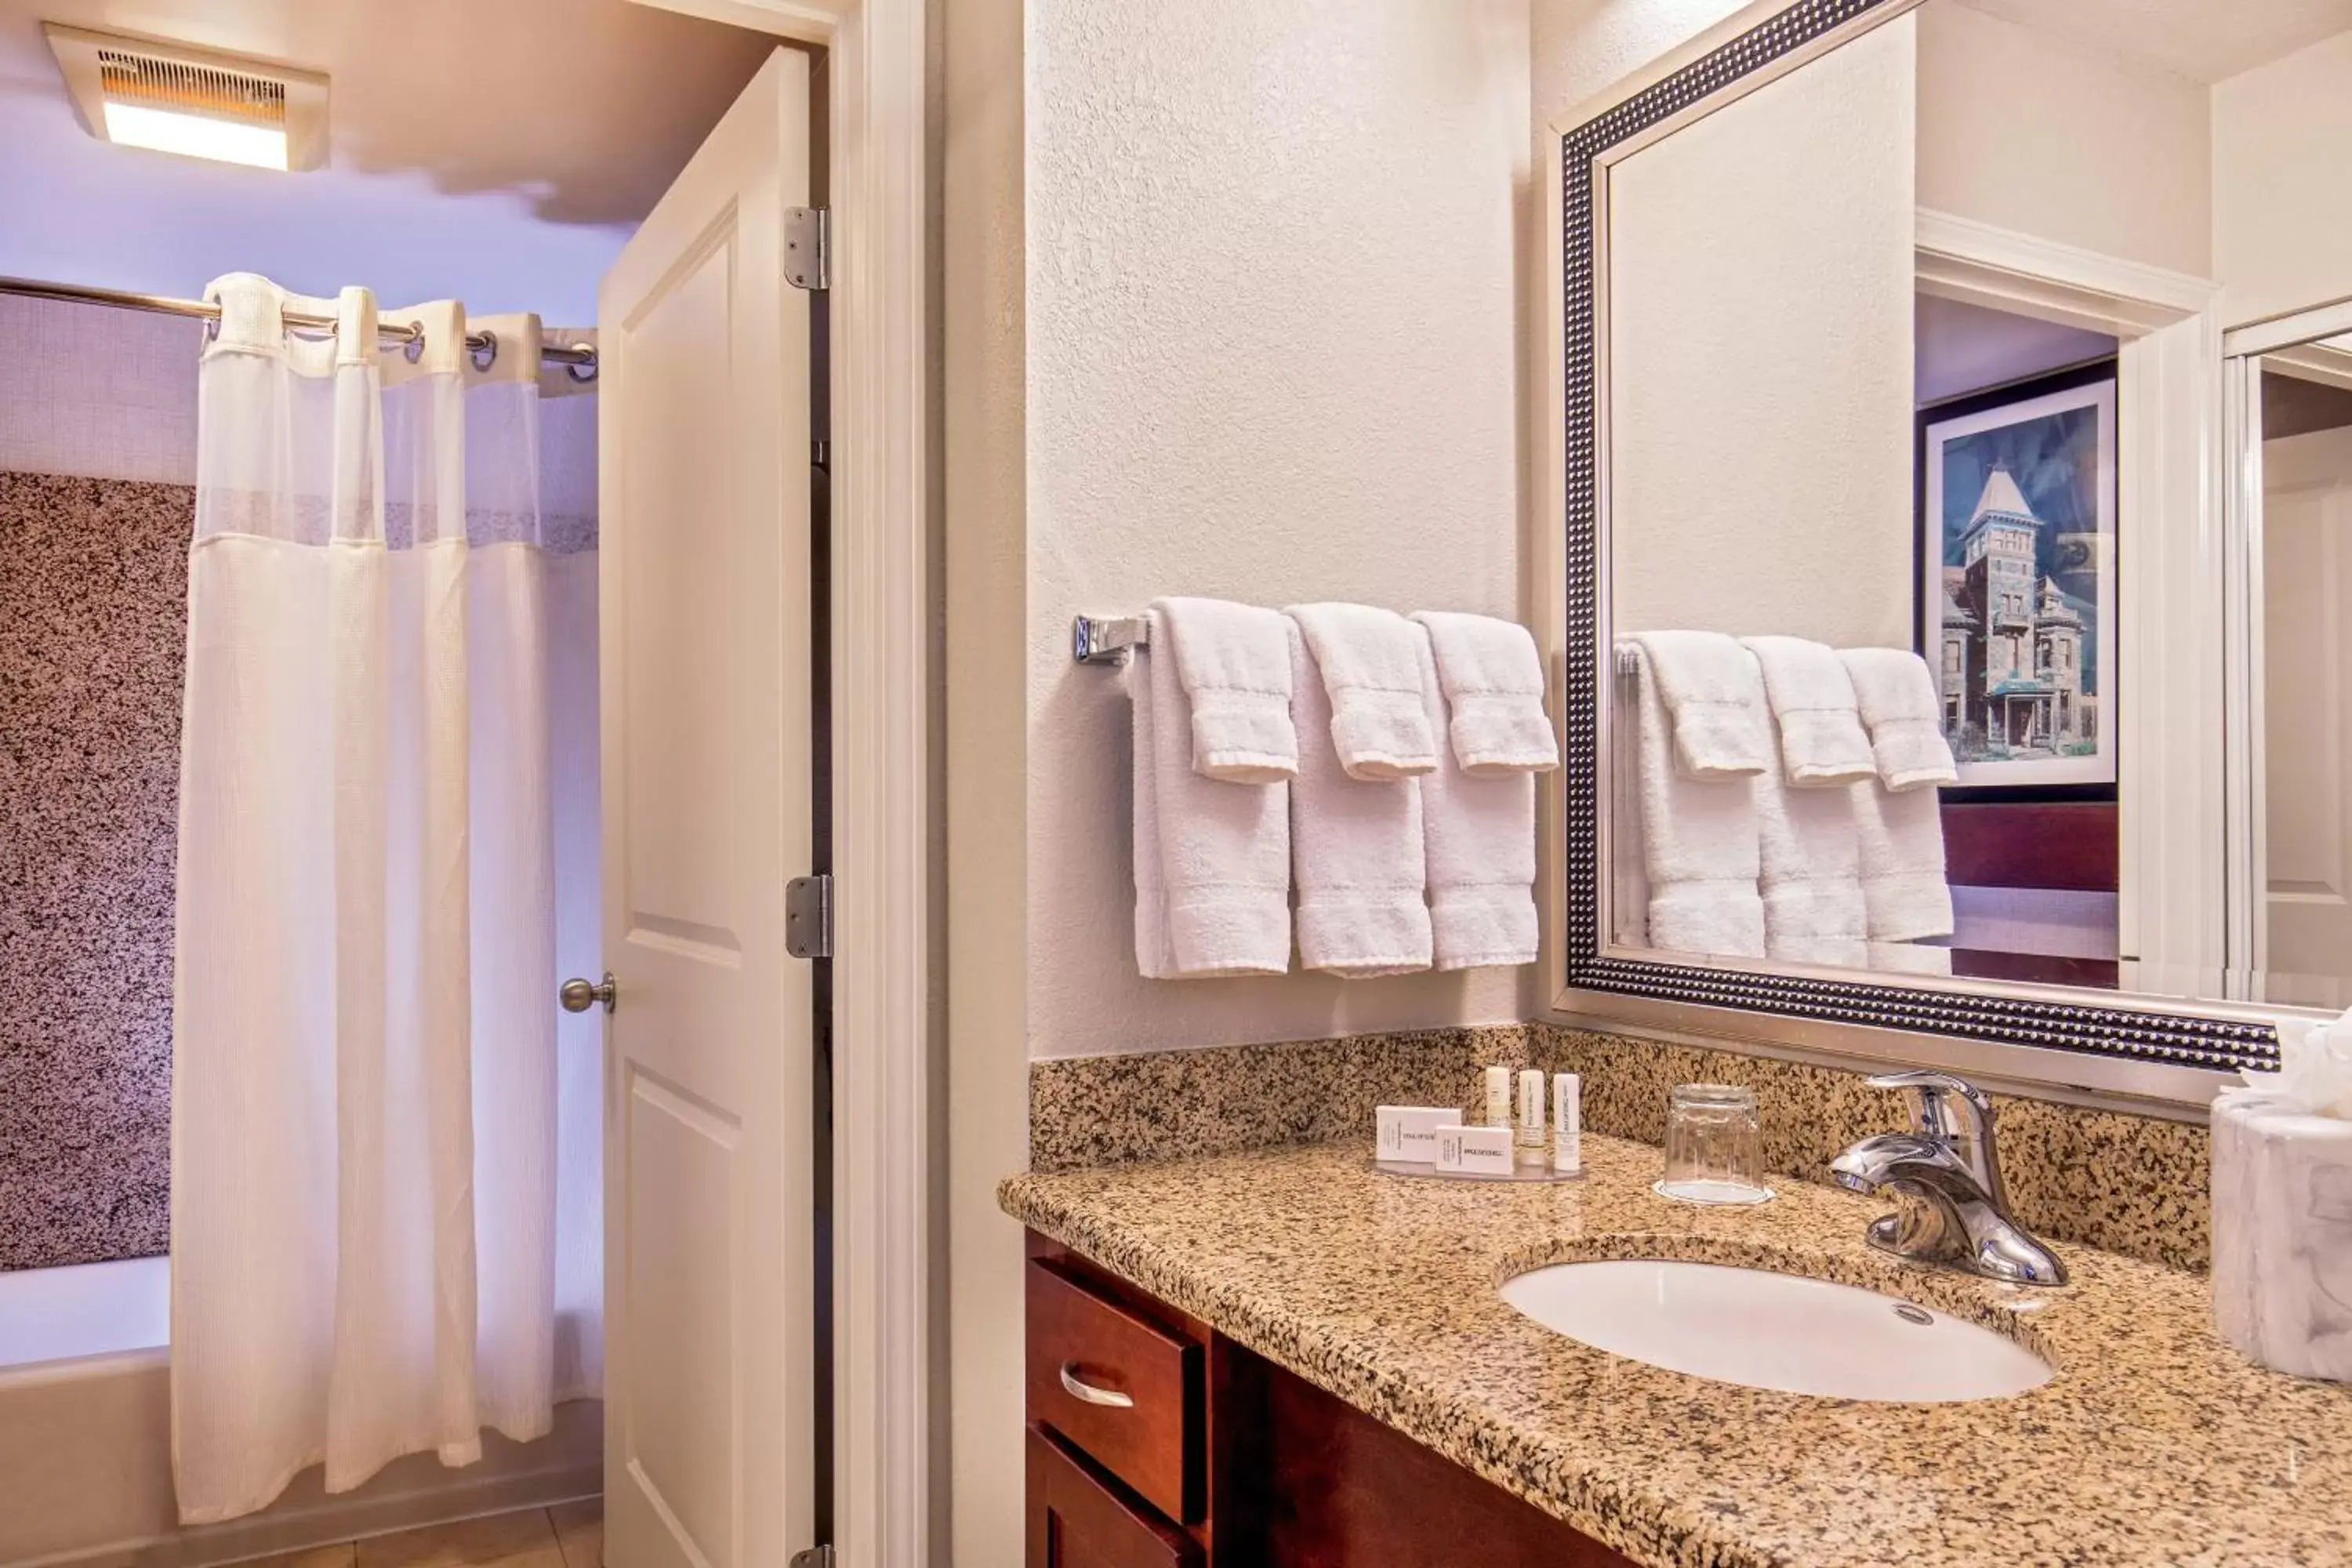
(580, 359)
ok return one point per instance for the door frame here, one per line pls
(882, 631)
(2243, 349)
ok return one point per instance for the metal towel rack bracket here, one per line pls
(1098, 639)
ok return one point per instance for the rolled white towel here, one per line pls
(1699, 848)
(1212, 858)
(1481, 837)
(1810, 877)
(1901, 841)
(1713, 698)
(1234, 663)
(1822, 741)
(1371, 663)
(1895, 691)
(1492, 679)
(1356, 850)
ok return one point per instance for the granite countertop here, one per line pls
(2155, 1444)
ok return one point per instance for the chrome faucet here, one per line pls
(1949, 1206)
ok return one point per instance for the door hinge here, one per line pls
(808, 917)
(813, 1557)
(808, 248)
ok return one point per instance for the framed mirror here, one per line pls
(1888, 338)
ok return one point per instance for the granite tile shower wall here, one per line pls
(94, 573)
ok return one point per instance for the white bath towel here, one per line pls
(1902, 839)
(1234, 663)
(1822, 741)
(1492, 678)
(1699, 846)
(1715, 699)
(1212, 858)
(1356, 850)
(1372, 673)
(1481, 839)
(1811, 872)
(1896, 695)
(1910, 958)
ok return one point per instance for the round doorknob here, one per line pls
(578, 995)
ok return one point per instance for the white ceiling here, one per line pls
(2204, 40)
(497, 151)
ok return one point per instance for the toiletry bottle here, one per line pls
(1498, 1097)
(1530, 1139)
(1567, 1124)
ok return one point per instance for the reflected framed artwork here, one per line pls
(2016, 549)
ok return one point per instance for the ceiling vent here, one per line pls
(141, 94)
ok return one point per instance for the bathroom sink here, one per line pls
(1772, 1330)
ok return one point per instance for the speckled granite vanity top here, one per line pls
(2156, 1442)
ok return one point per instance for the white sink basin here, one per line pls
(1775, 1331)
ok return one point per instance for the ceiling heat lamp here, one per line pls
(137, 92)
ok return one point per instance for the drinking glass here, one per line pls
(1714, 1146)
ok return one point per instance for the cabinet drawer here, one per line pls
(1118, 1387)
(1078, 1518)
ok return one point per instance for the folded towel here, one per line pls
(1699, 847)
(1493, 680)
(1822, 742)
(1212, 858)
(1810, 876)
(1481, 837)
(1234, 663)
(1373, 676)
(1356, 850)
(1902, 838)
(1715, 698)
(1910, 958)
(1896, 695)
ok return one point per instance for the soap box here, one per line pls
(2283, 1233)
(1407, 1134)
(1476, 1151)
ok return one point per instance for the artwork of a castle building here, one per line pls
(2012, 642)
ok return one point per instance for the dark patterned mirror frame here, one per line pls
(2175, 1039)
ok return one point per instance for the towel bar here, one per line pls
(1099, 639)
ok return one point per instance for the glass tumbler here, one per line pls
(1714, 1146)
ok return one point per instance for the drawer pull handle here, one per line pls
(1078, 1388)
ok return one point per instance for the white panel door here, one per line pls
(708, 1281)
(2308, 715)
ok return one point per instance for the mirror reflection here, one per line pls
(1966, 616)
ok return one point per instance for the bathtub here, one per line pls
(86, 1447)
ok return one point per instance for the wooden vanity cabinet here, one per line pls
(1170, 1446)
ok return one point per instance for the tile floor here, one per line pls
(569, 1535)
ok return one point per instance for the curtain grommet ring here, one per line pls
(586, 373)
(414, 349)
(484, 354)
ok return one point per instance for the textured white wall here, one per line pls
(1581, 46)
(2281, 230)
(2025, 130)
(1760, 334)
(1272, 354)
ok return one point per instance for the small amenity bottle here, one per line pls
(1530, 1138)
(1567, 1124)
(1498, 1097)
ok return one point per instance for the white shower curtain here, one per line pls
(385, 1231)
